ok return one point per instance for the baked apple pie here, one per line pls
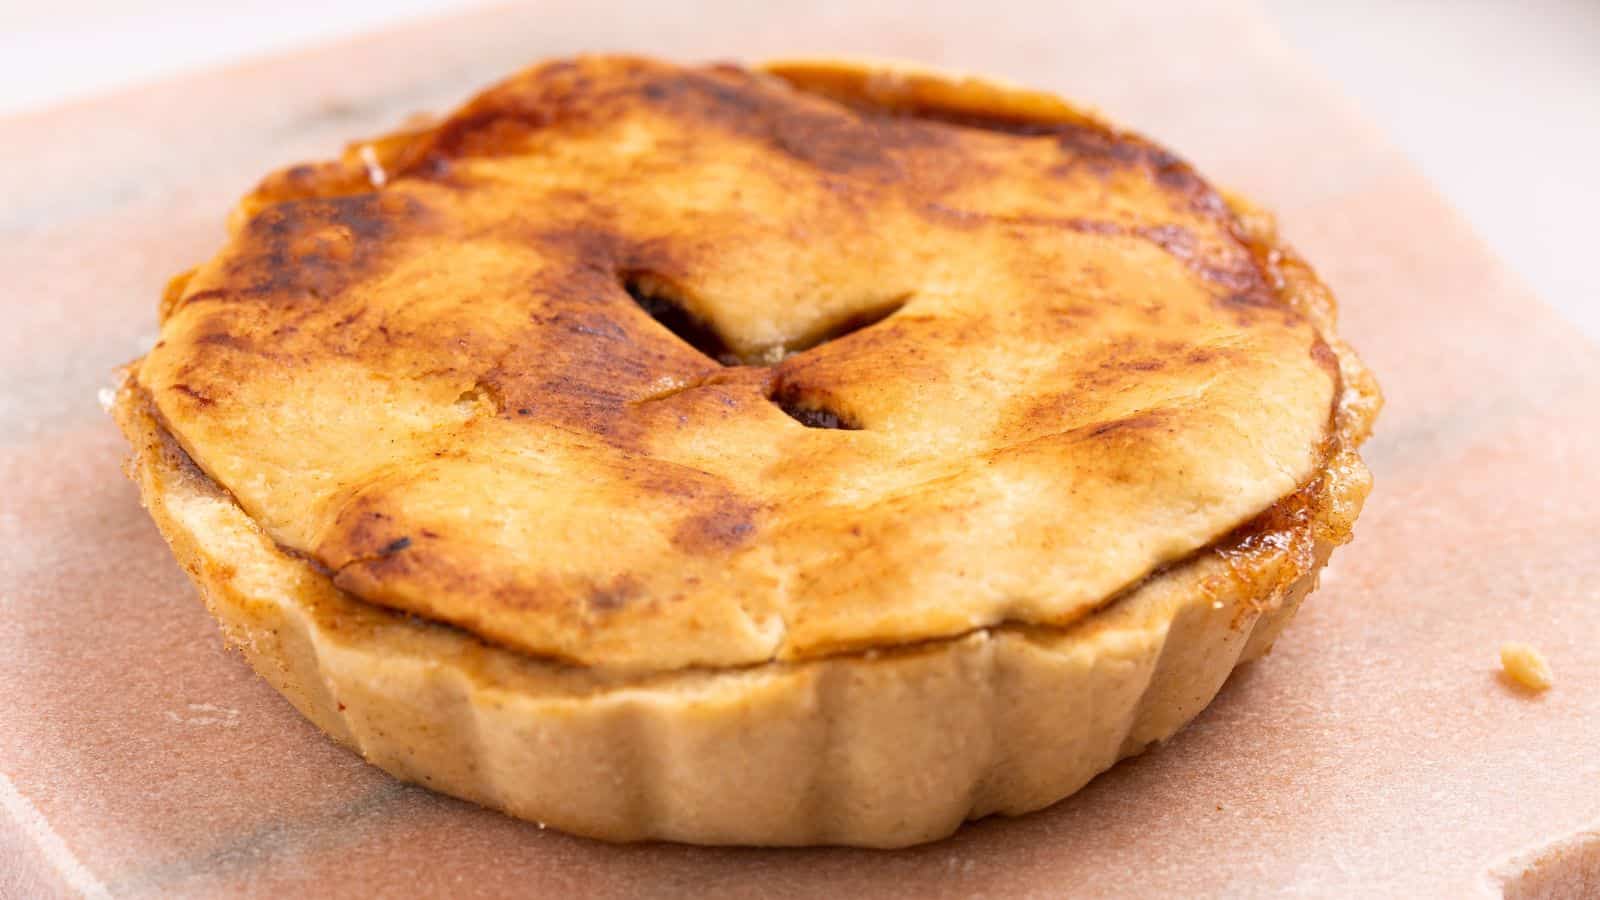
(819, 453)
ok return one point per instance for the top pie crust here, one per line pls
(1063, 361)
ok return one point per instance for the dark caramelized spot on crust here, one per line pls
(815, 134)
(313, 247)
(613, 595)
(1145, 421)
(729, 523)
(194, 395)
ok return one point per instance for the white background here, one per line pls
(1497, 100)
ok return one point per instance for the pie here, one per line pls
(820, 453)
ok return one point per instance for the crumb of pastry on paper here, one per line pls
(1526, 666)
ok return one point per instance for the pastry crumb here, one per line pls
(1526, 666)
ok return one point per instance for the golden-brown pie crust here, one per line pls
(716, 624)
(1078, 369)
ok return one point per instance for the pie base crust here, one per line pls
(887, 747)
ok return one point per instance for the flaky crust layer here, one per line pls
(880, 747)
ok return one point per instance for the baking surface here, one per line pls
(1374, 752)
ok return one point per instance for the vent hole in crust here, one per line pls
(661, 302)
(810, 413)
(654, 297)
